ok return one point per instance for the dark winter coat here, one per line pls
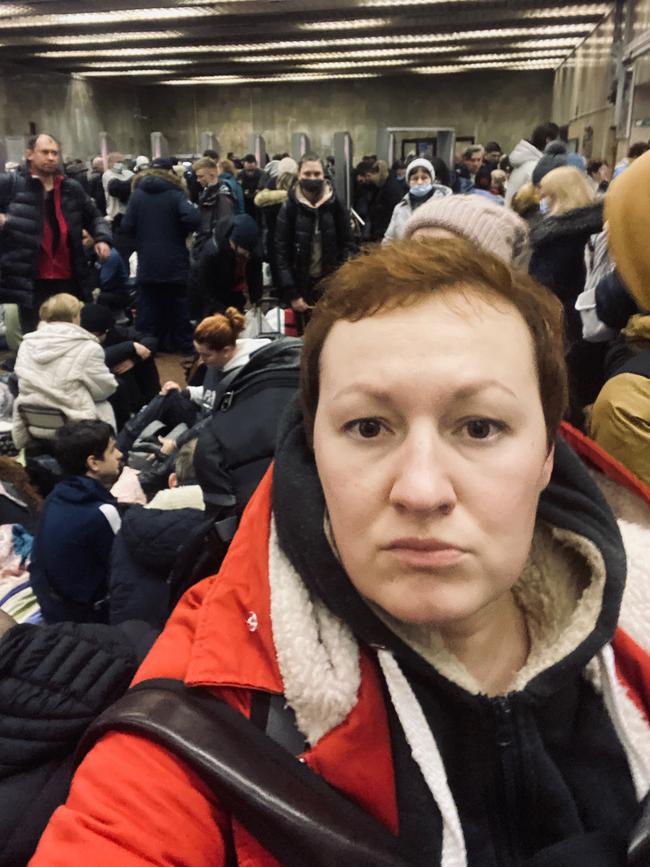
(96, 190)
(249, 185)
(218, 273)
(72, 548)
(144, 553)
(217, 207)
(54, 680)
(294, 237)
(558, 257)
(614, 304)
(392, 192)
(21, 198)
(160, 217)
(119, 345)
(558, 262)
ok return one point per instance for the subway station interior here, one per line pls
(229, 71)
(325, 433)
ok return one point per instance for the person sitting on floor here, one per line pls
(61, 365)
(72, 548)
(130, 358)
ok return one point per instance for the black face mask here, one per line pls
(312, 185)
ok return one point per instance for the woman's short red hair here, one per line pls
(405, 272)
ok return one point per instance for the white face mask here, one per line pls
(544, 206)
(118, 168)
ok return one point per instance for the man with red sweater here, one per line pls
(42, 214)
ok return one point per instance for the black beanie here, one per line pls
(555, 155)
(96, 318)
(245, 232)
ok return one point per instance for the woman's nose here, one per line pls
(422, 477)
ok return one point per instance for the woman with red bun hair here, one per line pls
(217, 342)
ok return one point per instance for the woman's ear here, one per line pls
(547, 469)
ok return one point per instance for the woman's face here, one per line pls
(430, 444)
(418, 177)
(216, 358)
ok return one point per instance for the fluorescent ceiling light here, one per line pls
(109, 38)
(216, 79)
(134, 64)
(376, 53)
(515, 55)
(594, 9)
(109, 17)
(352, 24)
(8, 9)
(560, 30)
(134, 73)
(478, 60)
(521, 67)
(349, 64)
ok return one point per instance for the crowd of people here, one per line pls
(390, 516)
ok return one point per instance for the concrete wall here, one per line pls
(73, 109)
(489, 105)
(583, 84)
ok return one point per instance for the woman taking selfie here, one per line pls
(430, 580)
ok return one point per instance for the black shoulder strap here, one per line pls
(288, 808)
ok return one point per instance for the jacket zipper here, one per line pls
(506, 740)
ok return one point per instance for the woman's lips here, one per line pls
(425, 553)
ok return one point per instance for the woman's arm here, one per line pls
(132, 804)
(94, 374)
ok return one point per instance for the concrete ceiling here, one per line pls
(183, 42)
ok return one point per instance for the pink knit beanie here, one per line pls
(495, 228)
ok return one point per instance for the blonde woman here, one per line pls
(571, 215)
(61, 365)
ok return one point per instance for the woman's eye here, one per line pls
(482, 428)
(368, 428)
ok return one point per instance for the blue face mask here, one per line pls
(421, 190)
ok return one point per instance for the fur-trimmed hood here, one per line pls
(157, 181)
(578, 222)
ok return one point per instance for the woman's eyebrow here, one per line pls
(461, 393)
(366, 389)
(472, 388)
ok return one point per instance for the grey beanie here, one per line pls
(493, 227)
(555, 155)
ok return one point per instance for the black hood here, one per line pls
(153, 536)
(572, 501)
(580, 222)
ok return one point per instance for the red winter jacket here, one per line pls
(132, 803)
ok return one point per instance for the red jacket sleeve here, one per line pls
(633, 670)
(132, 803)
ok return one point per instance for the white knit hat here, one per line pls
(495, 228)
(420, 163)
(287, 165)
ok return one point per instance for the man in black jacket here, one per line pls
(42, 215)
(249, 178)
(312, 235)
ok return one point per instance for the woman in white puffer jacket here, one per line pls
(61, 365)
